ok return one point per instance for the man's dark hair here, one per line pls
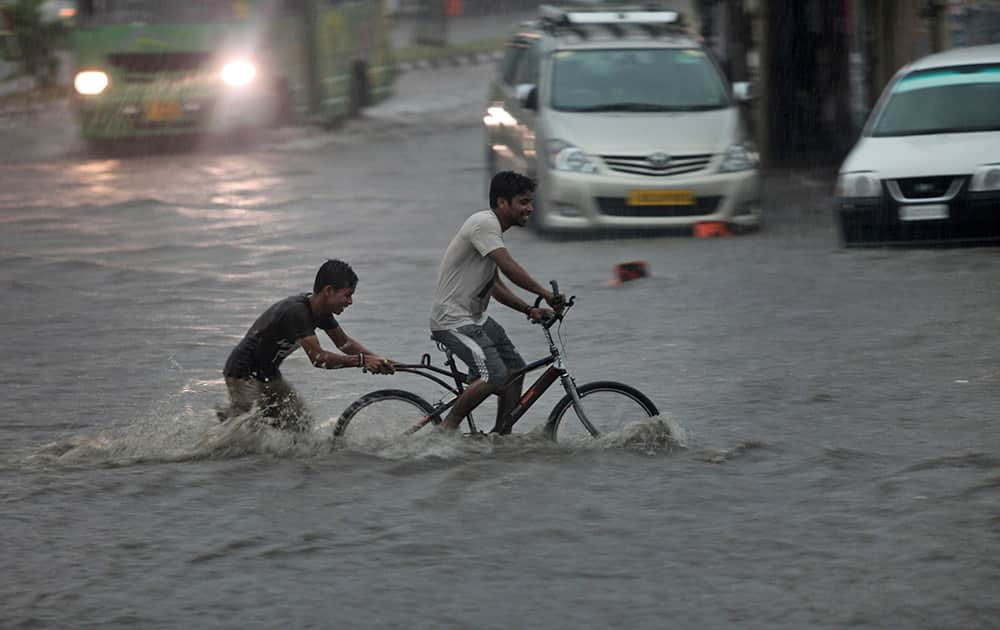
(507, 185)
(337, 274)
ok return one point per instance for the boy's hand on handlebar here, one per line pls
(377, 365)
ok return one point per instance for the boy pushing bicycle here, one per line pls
(468, 277)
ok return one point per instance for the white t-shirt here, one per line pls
(465, 280)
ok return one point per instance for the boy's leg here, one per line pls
(284, 408)
(243, 393)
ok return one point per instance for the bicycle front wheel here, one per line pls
(609, 406)
(383, 414)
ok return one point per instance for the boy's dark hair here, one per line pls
(337, 274)
(507, 185)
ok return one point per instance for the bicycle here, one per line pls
(599, 406)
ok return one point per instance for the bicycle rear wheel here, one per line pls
(609, 406)
(383, 414)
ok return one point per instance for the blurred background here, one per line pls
(817, 66)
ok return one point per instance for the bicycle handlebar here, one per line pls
(558, 298)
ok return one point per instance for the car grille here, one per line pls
(641, 164)
(926, 187)
(618, 207)
(137, 67)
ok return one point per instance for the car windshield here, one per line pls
(654, 80)
(157, 11)
(944, 100)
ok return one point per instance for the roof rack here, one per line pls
(634, 14)
(577, 18)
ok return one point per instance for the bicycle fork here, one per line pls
(570, 386)
(557, 370)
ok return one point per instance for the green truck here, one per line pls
(192, 67)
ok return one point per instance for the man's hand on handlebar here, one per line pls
(538, 314)
(557, 301)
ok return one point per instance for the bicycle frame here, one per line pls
(556, 370)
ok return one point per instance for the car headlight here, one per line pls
(563, 156)
(238, 73)
(986, 177)
(858, 185)
(739, 157)
(90, 82)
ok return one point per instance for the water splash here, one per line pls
(195, 434)
(192, 436)
(648, 436)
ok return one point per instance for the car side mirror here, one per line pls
(743, 91)
(527, 96)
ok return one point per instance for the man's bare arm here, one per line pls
(503, 294)
(517, 274)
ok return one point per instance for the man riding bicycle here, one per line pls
(468, 277)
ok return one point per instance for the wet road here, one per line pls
(839, 460)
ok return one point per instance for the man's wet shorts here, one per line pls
(484, 348)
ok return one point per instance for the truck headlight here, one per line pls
(739, 157)
(238, 73)
(563, 156)
(90, 82)
(986, 177)
(858, 185)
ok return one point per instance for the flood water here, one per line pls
(835, 454)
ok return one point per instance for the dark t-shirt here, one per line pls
(276, 334)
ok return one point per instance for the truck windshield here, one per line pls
(644, 80)
(963, 99)
(158, 11)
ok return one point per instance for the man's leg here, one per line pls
(475, 348)
(467, 401)
(509, 398)
(512, 362)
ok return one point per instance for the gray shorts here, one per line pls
(485, 349)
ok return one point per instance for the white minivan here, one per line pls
(927, 165)
(625, 121)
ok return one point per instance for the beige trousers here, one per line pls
(277, 401)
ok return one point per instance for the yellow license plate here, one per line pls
(661, 198)
(159, 111)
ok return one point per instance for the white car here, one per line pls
(927, 166)
(625, 121)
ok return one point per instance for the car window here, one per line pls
(946, 100)
(125, 11)
(511, 56)
(527, 67)
(657, 79)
